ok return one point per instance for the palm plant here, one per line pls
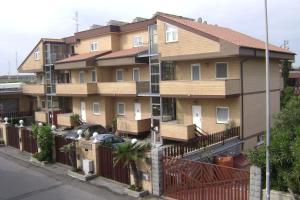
(70, 149)
(131, 153)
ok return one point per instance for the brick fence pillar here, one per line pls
(4, 132)
(255, 183)
(157, 171)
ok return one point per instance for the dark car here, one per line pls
(109, 139)
(87, 131)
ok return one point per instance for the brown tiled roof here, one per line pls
(294, 74)
(124, 53)
(69, 40)
(219, 32)
(81, 57)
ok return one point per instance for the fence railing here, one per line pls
(15, 114)
(201, 142)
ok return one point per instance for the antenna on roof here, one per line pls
(76, 20)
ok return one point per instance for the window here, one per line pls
(136, 74)
(81, 77)
(171, 33)
(36, 54)
(167, 70)
(222, 114)
(43, 104)
(260, 139)
(195, 72)
(119, 75)
(96, 108)
(137, 41)
(221, 70)
(94, 46)
(121, 109)
(94, 76)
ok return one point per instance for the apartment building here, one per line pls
(170, 72)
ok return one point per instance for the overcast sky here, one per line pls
(23, 23)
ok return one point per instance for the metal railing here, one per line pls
(201, 142)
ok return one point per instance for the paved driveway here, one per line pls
(22, 181)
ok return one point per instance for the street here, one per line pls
(20, 180)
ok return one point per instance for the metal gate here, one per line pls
(29, 142)
(13, 138)
(190, 180)
(63, 157)
(107, 169)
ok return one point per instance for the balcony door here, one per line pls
(82, 111)
(137, 111)
(197, 117)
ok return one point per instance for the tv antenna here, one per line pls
(76, 20)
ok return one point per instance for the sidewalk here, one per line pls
(61, 170)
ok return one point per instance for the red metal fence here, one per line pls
(201, 142)
(190, 180)
(13, 138)
(29, 142)
(107, 169)
(63, 157)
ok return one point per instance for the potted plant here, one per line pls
(75, 120)
(131, 153)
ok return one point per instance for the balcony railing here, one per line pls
(64, 119)
(200, 88)
(40, 116)
(175, 131)
(35, 89)
(133, 126)
(73, 89)
(123, 88)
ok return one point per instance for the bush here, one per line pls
(45, 142)
(75, 120)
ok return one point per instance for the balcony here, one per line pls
(76, 89)
(213, 88)
(40, 116)
(123, 88)
(64, 119)
(174, 131)
(135, 127)
(33, 89)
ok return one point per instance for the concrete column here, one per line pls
(4, 132)
(20, 138)
(255, 183)
(95, 159)
(157, 171)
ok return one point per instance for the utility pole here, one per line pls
(267, 105)
(76, 21)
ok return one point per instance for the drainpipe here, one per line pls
(242, 98)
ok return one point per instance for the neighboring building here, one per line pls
(13, 103)
(168, 71)
(294, 81)
(17, 78)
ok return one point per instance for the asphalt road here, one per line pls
(22, 181)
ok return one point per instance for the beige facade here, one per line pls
(183, 46)
(32, 64)
(126, 39)
(104, 43)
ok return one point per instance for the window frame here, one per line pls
(92, 45)
(121, 70)
(96, 113)
(139, 73)
(118, 111)
(228, 115)
(137, 44)
(199, 65)
(95, 81)
(227, 69)
(36, 54)
(81, 72)
(166, 38)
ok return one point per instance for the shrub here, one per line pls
(75, 120)
(45, 142)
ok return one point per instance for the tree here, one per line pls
(45, 142)
(130, 154)
(286, 67)
(284, 149)
(286, 95)
(70, 149)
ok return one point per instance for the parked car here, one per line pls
(109, 139)
(87, 131)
